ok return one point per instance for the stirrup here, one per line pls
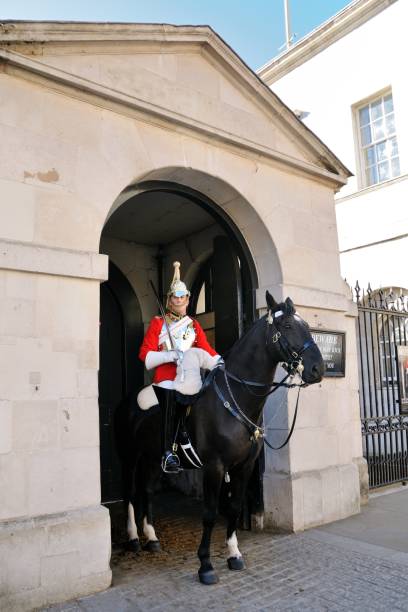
(170, 463)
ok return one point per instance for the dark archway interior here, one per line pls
(143, 236)
(121, 330)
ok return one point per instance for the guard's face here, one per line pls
(179, 304)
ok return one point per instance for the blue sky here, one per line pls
(253, 28)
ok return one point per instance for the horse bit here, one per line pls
(293, 365)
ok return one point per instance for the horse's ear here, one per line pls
(290, 307)
(270, 301)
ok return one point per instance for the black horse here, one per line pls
(224, 426)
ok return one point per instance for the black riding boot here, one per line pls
(170, 461)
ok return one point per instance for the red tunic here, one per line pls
(168, 371)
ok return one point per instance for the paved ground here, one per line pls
(359, 564)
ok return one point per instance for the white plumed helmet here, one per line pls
(177, 287)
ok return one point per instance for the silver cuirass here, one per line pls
(182, 332)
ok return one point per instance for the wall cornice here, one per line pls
(308, 297)
(40, 259)
(361, 193)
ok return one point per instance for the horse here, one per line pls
(225, 428)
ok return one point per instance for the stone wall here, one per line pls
(54, 535)
(315, 479)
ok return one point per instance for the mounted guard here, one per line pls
(175, 347)
(225, 423)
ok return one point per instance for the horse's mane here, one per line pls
(244, 337)
(284, 307)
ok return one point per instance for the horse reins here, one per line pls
(293, 365)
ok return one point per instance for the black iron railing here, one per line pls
(383, 375)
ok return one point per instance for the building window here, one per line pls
(378, 141)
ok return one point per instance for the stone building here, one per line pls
(123, 147)
(346, 79)
(358, 109)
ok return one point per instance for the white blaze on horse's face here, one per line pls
(310, 365)
(271, 317)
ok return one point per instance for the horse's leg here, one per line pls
(133, 543)
(152, 476)
(236, 492)
(212, 479)
(128, 475)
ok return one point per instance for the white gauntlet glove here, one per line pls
(156, 358)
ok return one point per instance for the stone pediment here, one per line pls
(183, 74)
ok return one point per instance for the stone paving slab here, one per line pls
(284, 573)
(312, 571)
(383, 522)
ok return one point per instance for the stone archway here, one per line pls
(232, 209)
(221, 204)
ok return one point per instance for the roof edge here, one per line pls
(342, 23)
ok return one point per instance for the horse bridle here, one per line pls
(293, 364)
(293, 361)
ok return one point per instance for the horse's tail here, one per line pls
(128, 419)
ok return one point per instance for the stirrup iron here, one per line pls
(170, 463)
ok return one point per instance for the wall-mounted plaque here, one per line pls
(332, 345)
(402, 354)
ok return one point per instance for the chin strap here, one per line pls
(175, 316)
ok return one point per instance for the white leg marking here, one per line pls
(149, 531)
(131, 524)
(232, 543)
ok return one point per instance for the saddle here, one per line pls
(146, 398)
(147, 404)
(189, 458)
(147, 401)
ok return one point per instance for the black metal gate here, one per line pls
(383, 373)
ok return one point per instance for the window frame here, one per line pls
(362, 182)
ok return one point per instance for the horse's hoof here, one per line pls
(133, 546)
(152, 546)
(208, 577)
(236, 563)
